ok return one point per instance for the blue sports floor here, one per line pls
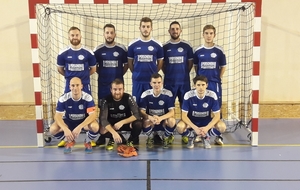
(274, 164)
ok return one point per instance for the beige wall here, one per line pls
(280, 56)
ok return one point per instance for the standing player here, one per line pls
(76, 61)
(145, 57)
(197, 108)
(119, 112)
(210, 61)
(75, 111)
(111, 64)
(178, 62)
(157, 108)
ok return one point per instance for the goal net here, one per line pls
(233, 22)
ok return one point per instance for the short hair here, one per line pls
(146, 19)
(209, 26)
(117, 81)
(74, 28)
(109, 26)
(174, 22)
(156, 76)
(200, 78)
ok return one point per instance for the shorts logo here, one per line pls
(80, 107)
(116, 54)
(80, 57)
(180, 49)
(213, 55)
(205, 105)
(150, 48)
(121, 107)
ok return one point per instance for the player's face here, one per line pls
(76, 87)
(117, 91)
(175, 31)
(145, 29)
(75, 37)
(201, 88)
(109, 35)
(156, 84)
(209, 35)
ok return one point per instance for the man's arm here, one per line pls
(93, 69)
(61, 70)
(167, 115)
(160, 63)
(130, 64)
(190, 64)
(222, 71)
(125, 68)
(187, 120)
(58, 118)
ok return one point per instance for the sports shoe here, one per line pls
(219, 140)
(93, 143)
(206, 142)
(62, 143)
(110, 144)
(150, 142)
(190, 143)
(88, 147)
(157, 140)
(198, 139)
(68, 147)
(184, 139)
(100, 141)
(129, 143)
(167, 141)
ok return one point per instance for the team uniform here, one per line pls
(110, 62)
(77, 63)
(199, 110)
(209, 61)
(176, 67)
(157, 105)
(75, 111)
(114, 111)
(145, 55)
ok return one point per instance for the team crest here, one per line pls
(80, 57)
(180, 49)
(205, 105)
(80, 107)
(121, 107)
(161, 102)
(116, 54)
(213, 55)
(150, 48)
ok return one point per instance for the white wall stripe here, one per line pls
(255, 110)
(35, 55)
(40, 140)
(37, 84)
(33, 26)
(39, 112)
(256, 53)
(254, 139)
(255, 82)
(257, 24)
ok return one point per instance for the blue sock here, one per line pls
(213, 132)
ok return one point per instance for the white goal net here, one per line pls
(233, 21)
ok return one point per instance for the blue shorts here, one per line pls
(217, 88)
(103, 91)
(178, 90)
(138, 89)
(72, 124)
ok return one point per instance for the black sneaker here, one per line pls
(100, 141)
(157, 140)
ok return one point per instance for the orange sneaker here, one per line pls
(88, 148)
(68, 147)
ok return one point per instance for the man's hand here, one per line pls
(76, 132)
(68, 134)
(117, 138)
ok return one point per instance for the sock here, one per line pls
(213, 132)
(169, 131)
(90, 135)
(148, 131)
(60, 136)
(188, 133)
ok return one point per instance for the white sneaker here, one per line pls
(219, 140)
(190, 143)
(206, 142)
(198, 139)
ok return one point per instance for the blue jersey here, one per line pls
(77, 63)
(209, 61)
(110, 62)
(75, 110)
(199, 110)
(157, 105)
(145, 55)
(176, 66)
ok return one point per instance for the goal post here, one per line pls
(238, 31)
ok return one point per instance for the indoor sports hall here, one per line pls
(260, 105)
